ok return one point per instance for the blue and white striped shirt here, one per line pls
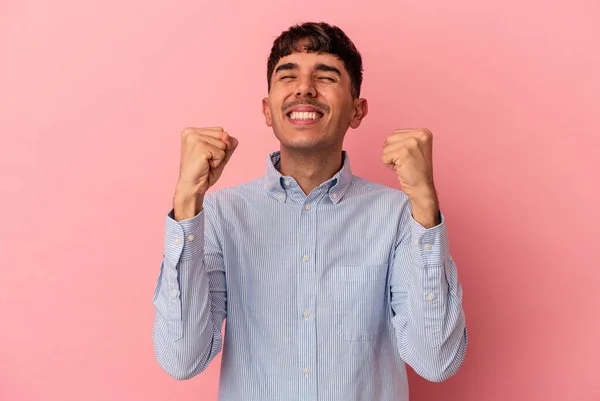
(325, 297)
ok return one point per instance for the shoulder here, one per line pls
(235, 194)
(362, 187)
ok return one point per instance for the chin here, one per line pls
(306, 137)
(305, 144)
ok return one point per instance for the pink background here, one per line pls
(94, 94)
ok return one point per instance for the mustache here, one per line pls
(310, 102)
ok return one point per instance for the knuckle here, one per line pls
(187, 131)
(412, 142)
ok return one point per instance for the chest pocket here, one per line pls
(360, 301)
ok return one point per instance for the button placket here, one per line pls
(307, 273)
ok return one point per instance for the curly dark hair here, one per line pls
(318, 38)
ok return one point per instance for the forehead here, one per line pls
(306, 60)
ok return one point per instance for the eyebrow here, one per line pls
(286, 66)
(318, 67)
(327, 68)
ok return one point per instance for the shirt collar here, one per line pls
(274, 181)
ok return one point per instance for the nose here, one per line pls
(306, 88)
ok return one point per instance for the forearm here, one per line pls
(425, 208)
(430, 327)
(186, 335)
(434, 335)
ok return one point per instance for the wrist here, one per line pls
(425, 208)
(186, 204)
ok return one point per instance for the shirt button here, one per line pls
(307, 207)
(175, 293)
(430, 297)
(334, 196)
(191, 237)
(281, 196)
(176, 241)
(306, 315)
(427, 247)
(287, 183)
(306, 258)
(306, 371)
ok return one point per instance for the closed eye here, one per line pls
(327, 78)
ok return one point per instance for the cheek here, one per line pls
(275, 107)
(343, 110)
(338, 98)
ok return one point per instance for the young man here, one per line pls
(329, 283)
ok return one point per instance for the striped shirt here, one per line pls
(324, 297)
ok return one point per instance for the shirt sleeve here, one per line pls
(426, 300)
(190, 296)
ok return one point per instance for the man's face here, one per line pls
(310, 105)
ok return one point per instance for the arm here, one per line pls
(426, 300)
(190, 297)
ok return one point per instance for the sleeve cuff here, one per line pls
(432, 243)
(184, 239)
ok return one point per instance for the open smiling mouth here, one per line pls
(304, 117)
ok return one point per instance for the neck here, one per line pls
(310, 168)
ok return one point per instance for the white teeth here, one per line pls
(304, 115)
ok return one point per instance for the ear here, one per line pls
(361, 108)
(267, 112)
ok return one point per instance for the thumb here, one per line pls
(230, 141)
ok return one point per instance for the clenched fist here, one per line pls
(204, 154)
(409, 153)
